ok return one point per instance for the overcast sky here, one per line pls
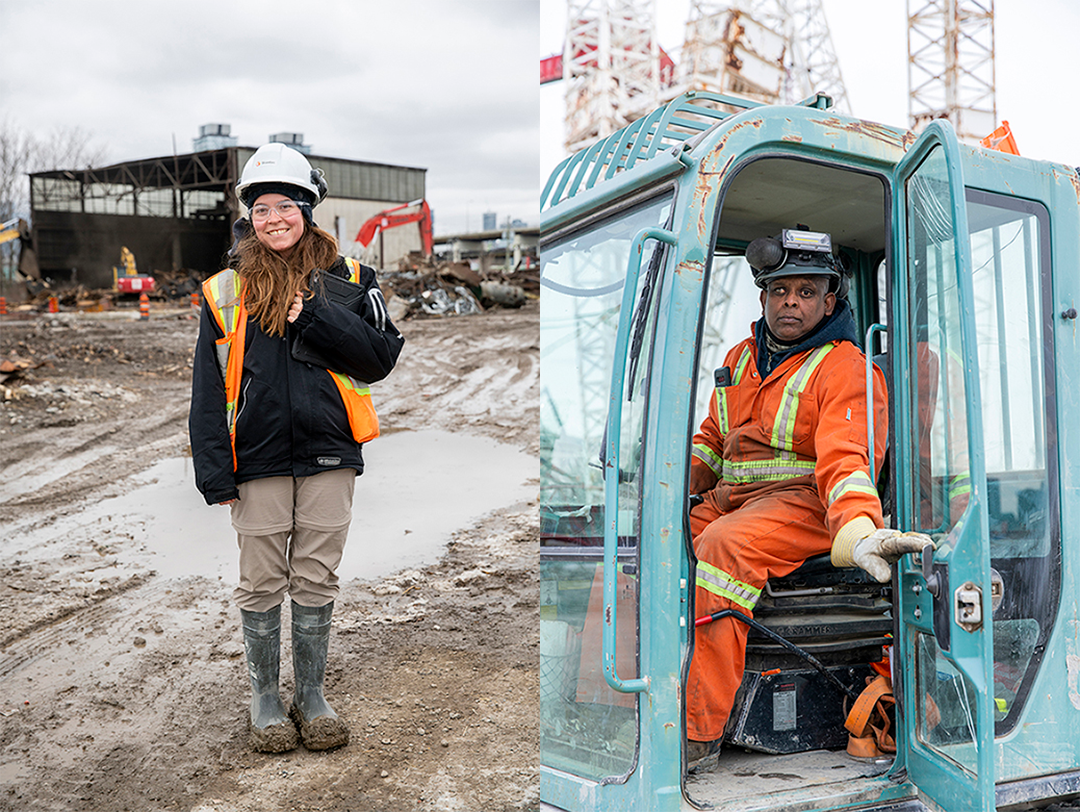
(1035, 61)
(447, 86)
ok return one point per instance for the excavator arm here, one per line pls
(388, 219)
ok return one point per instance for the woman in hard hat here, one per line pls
(280, 407)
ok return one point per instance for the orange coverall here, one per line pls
(791, 459)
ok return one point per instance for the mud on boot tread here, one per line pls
(322, 732)
(277, 738)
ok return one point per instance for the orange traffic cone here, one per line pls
(54, 305)
(3, 306)
(144, 307)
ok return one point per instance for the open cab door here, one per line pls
(944, 655)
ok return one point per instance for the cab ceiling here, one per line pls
(771, 194)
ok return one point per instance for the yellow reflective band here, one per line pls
(740, 367)
(960, 485)
(709, 457)
(352, 384)
(784, 426)
(225, 302)
(715, 580)
(858, 482)
(354, 269)
(774, 470)
(721, 408)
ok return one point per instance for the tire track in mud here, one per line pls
(88, 696)
(22, 646)
(57, 475)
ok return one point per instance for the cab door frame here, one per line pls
(964, 565)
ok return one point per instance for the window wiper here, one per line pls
(641, 317)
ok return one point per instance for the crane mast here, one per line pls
(951, 65)
(611, 63)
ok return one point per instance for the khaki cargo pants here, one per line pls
(291, 533)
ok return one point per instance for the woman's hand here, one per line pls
(228, 501)
(297, 306)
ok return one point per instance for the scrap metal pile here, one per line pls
(423, 287)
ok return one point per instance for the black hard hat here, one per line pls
(796, 252)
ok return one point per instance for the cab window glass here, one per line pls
(587, 728)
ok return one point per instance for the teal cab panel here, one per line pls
(643, 289)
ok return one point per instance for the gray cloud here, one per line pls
(451, 87)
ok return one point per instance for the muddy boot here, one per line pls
(271, 730)
(320, 727)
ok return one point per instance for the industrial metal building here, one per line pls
(175, 213)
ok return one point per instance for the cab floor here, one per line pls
(744, 781)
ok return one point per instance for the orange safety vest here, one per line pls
(226, 303)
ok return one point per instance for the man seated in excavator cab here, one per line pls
(783, 465)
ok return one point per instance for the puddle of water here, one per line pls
(418, 487)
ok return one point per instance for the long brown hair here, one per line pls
(271, 280)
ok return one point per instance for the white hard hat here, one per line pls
(276, 165)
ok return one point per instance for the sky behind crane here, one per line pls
(451, 87)
(1035, 64)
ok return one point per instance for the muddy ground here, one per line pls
(123, 690)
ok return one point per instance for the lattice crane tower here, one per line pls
(611, 62)
(951, 65)
(770, 50)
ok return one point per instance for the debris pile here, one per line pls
(169, 286)
(14, 366)
(426, 286)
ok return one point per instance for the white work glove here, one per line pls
(877, 552)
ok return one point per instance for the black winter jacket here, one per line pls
(290, 417)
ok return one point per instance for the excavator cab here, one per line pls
(953, 251)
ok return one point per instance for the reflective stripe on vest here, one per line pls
(354, 269)
(721, 391)
(356, 395)
(715, 580)
(227, 306)
(220, 291)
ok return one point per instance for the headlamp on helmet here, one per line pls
(796, 252)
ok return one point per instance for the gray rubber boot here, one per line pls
(320, 727)
(271, 730)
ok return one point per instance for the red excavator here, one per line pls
(388, 219)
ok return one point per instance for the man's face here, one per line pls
(794, 305)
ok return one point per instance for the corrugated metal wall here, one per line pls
(360, 180)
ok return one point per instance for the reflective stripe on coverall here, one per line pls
(777, 446)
